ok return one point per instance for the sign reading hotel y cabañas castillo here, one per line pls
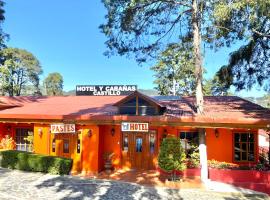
(105, 90)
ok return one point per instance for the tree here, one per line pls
(3, 36)
(174, 71)
(214, 87)
(20, 69)
(54, 84)
(146, 27)
(171, 157)
(249, 65)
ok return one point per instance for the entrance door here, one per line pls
(63, 145)
(139, 150)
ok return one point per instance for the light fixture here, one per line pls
(112, 131)
(89, 133)
(40, 132)
(164, 133)
(216, 133)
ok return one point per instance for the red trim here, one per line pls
(251, 179)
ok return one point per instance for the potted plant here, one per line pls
(108, 158)
(171, 158)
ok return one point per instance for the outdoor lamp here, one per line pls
(112, 131)
(216, 133)
(40, 132)
(89, 133)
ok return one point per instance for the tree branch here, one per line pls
(178, 3)
(261, 34)
(175, 22)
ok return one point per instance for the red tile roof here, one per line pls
(223, 109)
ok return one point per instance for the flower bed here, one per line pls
(251, 177)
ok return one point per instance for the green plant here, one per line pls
(27, 161)
(30, 140)
(193, 160)
(171, 156)
(108, 156)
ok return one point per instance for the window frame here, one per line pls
(187, 131)
(255, 147)
(29, 128)
(138, 108)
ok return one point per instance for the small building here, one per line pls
(85, 127)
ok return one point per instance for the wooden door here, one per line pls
(63, 145)
(139, 150)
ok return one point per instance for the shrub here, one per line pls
(193, 160)
(27, 161)
(171, 155)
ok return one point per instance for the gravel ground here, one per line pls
(25, 185)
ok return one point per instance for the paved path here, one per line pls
(23, 185)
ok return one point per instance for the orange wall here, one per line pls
(90, 150)
(221, 148)
(110, 143)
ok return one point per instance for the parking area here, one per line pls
(25, 185)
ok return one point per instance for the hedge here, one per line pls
(27, 161)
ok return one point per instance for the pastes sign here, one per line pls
(105, 90)
(63, 128)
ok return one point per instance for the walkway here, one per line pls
(25, 185)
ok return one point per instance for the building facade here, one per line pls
(85, 128)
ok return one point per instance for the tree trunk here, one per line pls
(196, 24)
(197, 55)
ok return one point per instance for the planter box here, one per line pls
(250, 179)
(186, 173)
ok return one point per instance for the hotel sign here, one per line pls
(105, 90)
(134, 127)
(63, 128)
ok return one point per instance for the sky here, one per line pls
(64, 36)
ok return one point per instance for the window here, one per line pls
(78, 146)
(53, 145)
(21, 143)
(188, 140)
(138, 144)
(152, 141)
(66, 146)
(138, 106)
(125, 142)
(244, 147)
